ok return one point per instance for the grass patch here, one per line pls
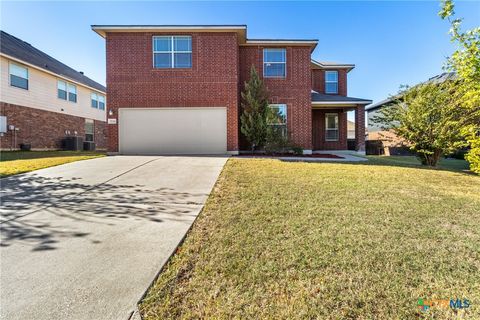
(288, 240)
(15, 162)
(412, 161)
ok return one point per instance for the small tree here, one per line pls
(425, 117)
(255, 110)
(465, 62)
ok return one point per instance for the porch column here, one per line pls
(360, 128)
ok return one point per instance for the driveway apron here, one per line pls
(85, 239)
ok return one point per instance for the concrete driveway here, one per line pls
(84, 240)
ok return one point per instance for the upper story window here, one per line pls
(72, 92)
(97, 101)
(277, 118)
(94, 100)
(66, 91)
(172, 52)
(101, 102)
(331, 82)
(274, 63)
(18, 76)
(62, 90)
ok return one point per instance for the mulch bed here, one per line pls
(291, 155)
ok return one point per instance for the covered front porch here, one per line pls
(330, 123)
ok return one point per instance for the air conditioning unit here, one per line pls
(73, 143)
(89, 146)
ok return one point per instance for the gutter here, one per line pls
(365, 102)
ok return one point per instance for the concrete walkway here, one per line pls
(343, 157)
(84, 240)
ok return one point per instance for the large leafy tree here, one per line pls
(424, 116)
(255, 110)
(465, 62)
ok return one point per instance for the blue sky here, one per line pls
(391, 43)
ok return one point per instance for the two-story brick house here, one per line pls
(176, 89)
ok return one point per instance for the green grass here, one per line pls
(289, 240)
(15, 162)
(411, 161)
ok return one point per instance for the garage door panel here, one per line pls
(173, 131)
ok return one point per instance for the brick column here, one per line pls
(360, 128)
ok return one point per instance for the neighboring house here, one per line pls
(384, 140)
(43, 100)
(176, 89)
(381, 141)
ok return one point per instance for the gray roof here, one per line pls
(379, 104)
(320, 97)
(436, 79)
(21, 50)
(443, 77)
(331, 64)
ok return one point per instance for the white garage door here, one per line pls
(173, 131)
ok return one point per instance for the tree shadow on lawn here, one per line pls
(69, 201)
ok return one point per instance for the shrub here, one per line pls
(255, 110)
(297, 150)
(425, 116)
(279, 142)
(473, 156)
(276, 141)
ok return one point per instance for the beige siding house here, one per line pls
(42, 101)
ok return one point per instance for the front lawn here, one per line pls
(15, 162)
(412, 161)
(289, 240)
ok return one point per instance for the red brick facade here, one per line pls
(211, 82)
(294, 90)
(318, 81)
(220, 67)
(360, 128)
(43, 129)
(319, 141)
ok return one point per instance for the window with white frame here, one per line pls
(331, 82)
(72, 92)
(94, 100)
(172, 52)
(66, 91)
(277, 118)
(97, 101)
(62, 90)
(331, 127)
(89, 130)
(274, 63)
(18, 76)
(101, 102)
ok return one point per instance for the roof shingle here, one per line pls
(320, 97)
(21, 50)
